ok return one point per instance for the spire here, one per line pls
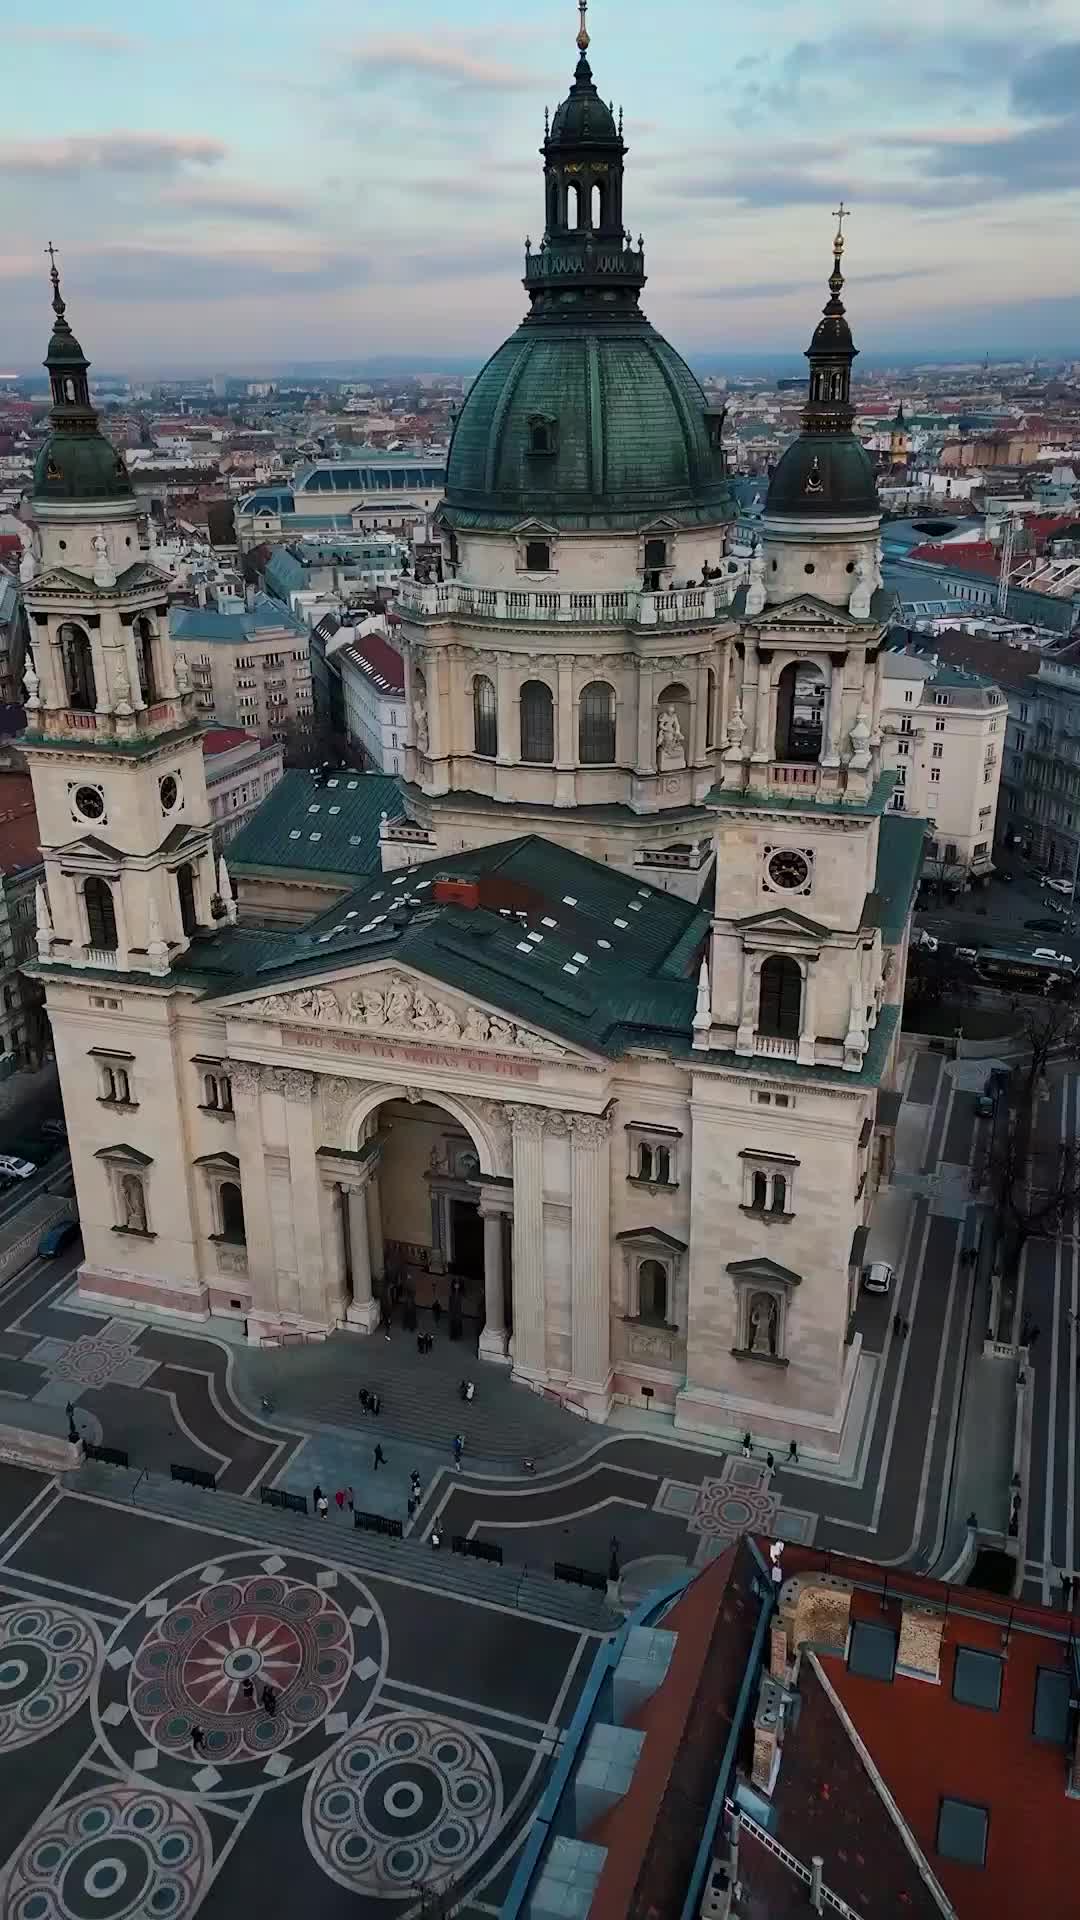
(832, 351)
(76, 462)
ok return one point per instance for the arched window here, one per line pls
(596, 725)
(185, 887)
(78, 665)
(573, 206)
(231, 1202)
(710, 710)
(652, 1292)
(553, 203)
(100, 914)
(779, 1193)
(645, 1162)
(780, 1001)
(596, 207)
(537, 723)
(759, 1192)
(485, 717)
(144, 655)
(800, 712)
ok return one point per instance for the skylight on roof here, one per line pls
(354, 839)
(421, 884)
(399, 880)
(545, 922)
(569, 900)
(535, 938)
(379, 895)
(335, 809)
(313, 809)
(621, 923)
(524, 947)
(569, 968)
(331, 783)
(643, 893)
(295, 835)
(352, 914)
(314, 836)
(352, 785)
(582, 959)
(604, 943)
(634, 906)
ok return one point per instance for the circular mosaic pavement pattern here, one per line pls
(48, 1658)
(198, 1655)
(114, 1853)
(405, 1802)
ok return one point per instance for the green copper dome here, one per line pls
(585, 428)
(824, 474)
(76, 462)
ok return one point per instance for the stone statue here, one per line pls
(755, 592)
(424, 1017)
(33, 683)
(134, 1203)
(502, 1033)
(182, 673)
(764, 1323)
(374, 1005)
(447, 1022)
(420, 718)
(859, 603)
(319, 1004)
(670, 745)
(399, 1004)
(860, 740)
(877, 579)
(736, 732)
(122, 687)
(477, 1025)
(437, 1160)
(104, 573)
(28, 564)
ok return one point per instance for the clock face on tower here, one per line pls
(169, 793)
(88, 803)
(788, 869)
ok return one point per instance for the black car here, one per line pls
(1043, 926)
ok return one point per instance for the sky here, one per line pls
(236, 185)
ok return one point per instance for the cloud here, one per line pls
(87, 39)
(451, 58)
(776, 289)
(1049, 82)
(151, 273)
(233, 202)
(137, 153)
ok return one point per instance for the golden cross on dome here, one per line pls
(54, 276)
(840, 214)
(583, 31)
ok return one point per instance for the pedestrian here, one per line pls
(247, 1688)
(897, 1325)
(906, 1328)
(419, 1343)
(528, 1466)
(349, 1498)
(374, 1403)
(198, 1739)
(459, 1448)
(413, 1503)
(379, 1458)
(316, 1496)
(1033, 1336)
(770, 1463)
(1067, 1584)
(470, 1389)
(414, 1480)
(792, 1454)
(269, 1700)
(364, 1398)
(436, 1538)
(436, 1310)
(747, 1446)
(340, 1498)
(322, 1506)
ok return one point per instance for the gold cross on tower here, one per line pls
(840, 214)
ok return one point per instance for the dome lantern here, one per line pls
(76, 462)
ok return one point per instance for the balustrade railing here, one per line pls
(101, 957)
(775, 1048)
(616, 607)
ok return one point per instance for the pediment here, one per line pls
(401, 1005)
(527, 528)
(89, 851)
(783, 920)
(765, 1271)
(806, 611)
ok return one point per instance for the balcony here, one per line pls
(689, 859)
(628, 607)
(787, 774)
(775, 1049)
(102, 957)
(409, 836)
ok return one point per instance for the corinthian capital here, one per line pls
(530, 1121)
(244, 1074)
(293, 1082)
(591, 1128)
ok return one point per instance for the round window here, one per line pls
(169, 790)
(788, 868)
(89, 802)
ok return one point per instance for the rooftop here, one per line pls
(265, 618)
(19, 838)
(378, 661)
(317, 824)
(224, 739)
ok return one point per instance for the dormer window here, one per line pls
(543, 437)
(537, 556)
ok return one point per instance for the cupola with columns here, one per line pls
(113, 741)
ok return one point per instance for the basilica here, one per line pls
(603, 1047)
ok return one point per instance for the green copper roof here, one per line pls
(823, 474)
(629, 428)
(80, 466)
(326, 827)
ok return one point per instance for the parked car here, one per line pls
(984, 1106)
(1049, 953)
(877, 1277)
(54, 1129)
(18, 1169)
(57, 1239)
(925, 940)
(1057, 886)
(968, 954)
(1042, 926)
(36, 1151)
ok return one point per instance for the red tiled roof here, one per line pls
(929, 1746)
(19, 837)
(220, 739)
(377, 658)
(967, 556)
(10, 543)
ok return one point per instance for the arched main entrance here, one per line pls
(426, 1219)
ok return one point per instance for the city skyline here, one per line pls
(246, 189)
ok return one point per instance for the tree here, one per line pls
(1035, 1176)
(934, 976)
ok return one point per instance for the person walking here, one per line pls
(747, 1446)
(316, 1496)
(770, 1463)
(436, 1310)
(379, 1458)
(340, 1498)
(198, 1740)
(792, 1454)
(897, 1325)
(269, 1700)
(374, 1403)
(349, 1501)
(322, 1506)
(459, 1448)
(247, 1688)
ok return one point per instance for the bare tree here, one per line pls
(1035, 1176)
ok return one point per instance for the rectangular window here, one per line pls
(908, 694)
(935, 774)
(961, 1832)
(941, 699)
(977, 1678)
(1051, 1716)
(939, 726)
(872, 1650)
(936, 750)
(903, 746)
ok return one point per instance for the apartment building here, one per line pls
(944, 737)
(240, 771)
(248, 661)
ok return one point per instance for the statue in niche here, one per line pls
(133, 1200)
(122, 687)
(182, 673)
(32, 682)
(862, 591)
(399, 1004)
(755, 592)
(420, 719)
(764, 1323)
(438, 1160)
(670, 745)
(736, 732)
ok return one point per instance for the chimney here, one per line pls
(817, 1868)
(450, 892)
(919, 1649)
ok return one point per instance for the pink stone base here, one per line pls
(126, 1289)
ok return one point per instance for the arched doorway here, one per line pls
(442, 1242)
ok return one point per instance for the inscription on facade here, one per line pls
(372, 1047)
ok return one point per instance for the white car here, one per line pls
(1058, 886)
(16, 1169)
(877, 1277)
(1047, 953)
(925, 940)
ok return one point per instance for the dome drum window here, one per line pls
(537, 724)
(485, 718)
(596, 725)
(543, 433)
(536, 556)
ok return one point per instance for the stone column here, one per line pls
(646, 729)
(590, 1190)
(744, 1039)
(374, 1222)
(701, 713)
(530, 1316)
(831, 757)
(493, 1337)
(808, 1029)
(297, 1088)
(362, 1313)
(763, 710)
(504, 702)
(246, 1080)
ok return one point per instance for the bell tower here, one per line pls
(113, 740)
